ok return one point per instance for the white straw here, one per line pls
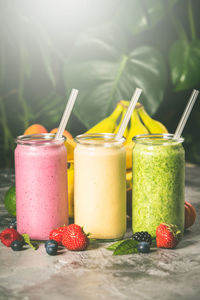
(66, 114)
(186, 114)
(128, 114)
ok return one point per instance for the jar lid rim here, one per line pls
(162, 138)
(39, 139)
(99, 139)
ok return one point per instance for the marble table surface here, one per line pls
(95, 273)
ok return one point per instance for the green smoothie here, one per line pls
(158, 182)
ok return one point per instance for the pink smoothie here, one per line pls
(41, 187)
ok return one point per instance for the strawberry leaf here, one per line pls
(27, 240)
(126, 247)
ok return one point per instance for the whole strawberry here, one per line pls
(9, 235)
(74, 238)
(57, 234)
(167, 236)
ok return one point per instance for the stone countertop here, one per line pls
(95, 273)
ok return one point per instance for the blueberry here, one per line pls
(13, 224)
(51, 247)
(144, 247)
(50, 242)
(17, 245)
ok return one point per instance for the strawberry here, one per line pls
(74, 238)
(9, 235)
(167, 236)
(57, 234)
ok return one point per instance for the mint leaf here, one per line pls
(126, 247)
(28, 241)
(115, 245)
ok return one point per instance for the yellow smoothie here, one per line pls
(100, 186)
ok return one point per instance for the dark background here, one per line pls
(105, 49)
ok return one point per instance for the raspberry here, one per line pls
(74, 238)
(9, 235)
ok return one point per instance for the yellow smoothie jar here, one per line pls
(100, 185)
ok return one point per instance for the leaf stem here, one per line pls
(117, 78)
(191, 20)
(179, 28)
(8, 138)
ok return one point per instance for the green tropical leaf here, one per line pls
(184, 60)
(47, 64)
(3, 66)
(8, 138)
(105, 74)
(142, 14)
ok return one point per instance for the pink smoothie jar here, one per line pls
(41, 184)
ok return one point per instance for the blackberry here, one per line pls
(142, 236)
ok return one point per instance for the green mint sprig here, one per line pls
(112, 247)
(27, 240)
(123, 247)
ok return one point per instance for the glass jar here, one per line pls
(158, 182)
(100, 185)
(41, 184)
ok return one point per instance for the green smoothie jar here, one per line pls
(158, 182)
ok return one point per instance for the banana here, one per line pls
(126, 104)
(136, 128)
(70, 145)
(129, 179)
(129, 152)
(118, 126)
(152, 125)
(108, 124)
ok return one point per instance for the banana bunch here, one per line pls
(140, 123)
(109, 124)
